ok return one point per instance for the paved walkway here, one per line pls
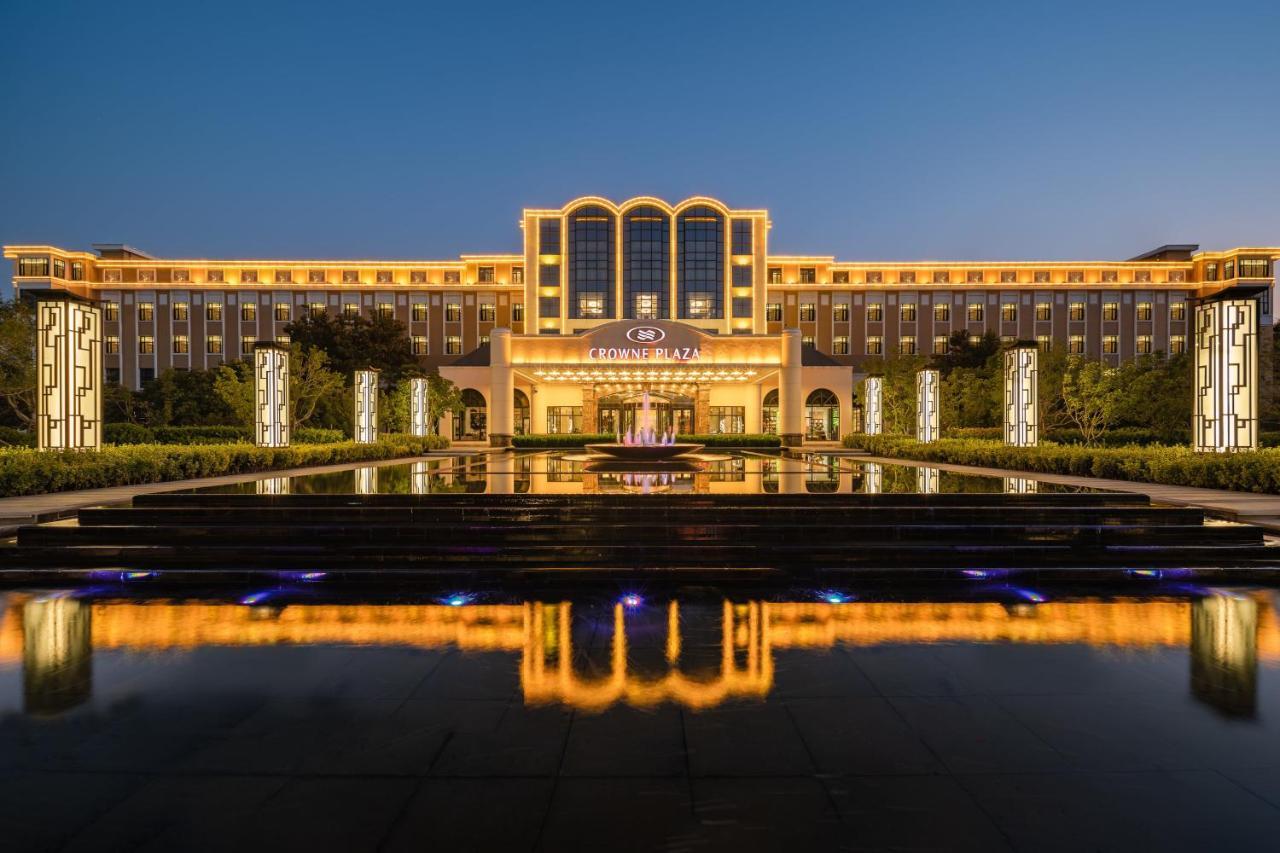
(30, 509)
(1248, 507)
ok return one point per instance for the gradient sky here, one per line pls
(893, 130)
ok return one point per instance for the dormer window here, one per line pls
(284, 277)
(350, 276)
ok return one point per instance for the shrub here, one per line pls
(316, 435)
(1257, 471)
(16, 437)
(729, 439)
(127, 433)
(31, 472)
(201, 434)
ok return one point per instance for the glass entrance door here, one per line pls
(622, 413)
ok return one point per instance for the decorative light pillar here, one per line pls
(927, 480)
(502, 389)
(57, 654)
(367, 480)
(271, 395)
(927, 387)
(1224, 653)
(872, 478)
(1225, 419)
(366, 406)
(790, 390)
(68, 373)
(873, 405)
(1021, 414)
(419, 406)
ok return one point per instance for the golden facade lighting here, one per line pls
(1021, 415)
(366, 406)
(927, 389)
(419, 406)
(272, 414)
(69, 374)
(1225, 418)
(873, 406)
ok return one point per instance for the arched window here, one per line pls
(700, 267)
(591, 267)
(521, 412)
(769, 413)
(646, 263)
(822, 415)
(472, 424)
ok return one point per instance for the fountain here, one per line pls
(644, 443)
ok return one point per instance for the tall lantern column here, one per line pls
(68, 373)
(366, 406)
(790, 393)
(419, 406)
(1225, 419)
(927, 388)
(272, 412)
(1021, 412)
(873, 405)
(502, 389)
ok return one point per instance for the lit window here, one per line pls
(112, 276)
(180, 276)
(386, 311)
(1075, 313)
(315, 276)
(907, 312)
(907, 345)
(77, 271)
(1075, 276)
(973, 277)
(1111, 311)
(485, 275)
(146, 344)
(809, 342)
(284, 277)
(1043, 342)
(1144, 310)
(1110, 276)
(283, 340)
(517, 275)
(1177, 311)
(453, 345)
(840, 313)
(316, 309)
(419, 345)
(350, 276)
(113, 344)
(1009, 312)
(419, 314)
(350, 310)
(249, 311)
(111, 311)
(839, 276)
(1041, 277)
(808, 275)
(645, 306)
(808, 312)
(875, 345)
(1008, 276)
(976, 312)
(248, 276)
(699, 307)
(974, 340)
(213, 344)
(1008, 340)
(1144, 345)
(145, 311)
(775, 275)
(1142, 276)
(1075, 344)
(728, 419)
(564, 419)
(1110, 344)
(180, 344)
(773, 312)
(453, 313)
(840, 345)
(213, 311)
(1253, 268)
(1044, 311)
(592, 305)
(875, 311)
(940, 345)
(1177, 344)
(60, 268)
(33, 266)
(942, 312)
(488, 312)
(941, 277)
(453, 276)
(246, 344)
(875, 277)
(180, 311)
(907, 277)
(517, 312)
(214, 276)
(384, 277)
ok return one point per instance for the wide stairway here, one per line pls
(772, 533)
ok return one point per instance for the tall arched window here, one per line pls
(521, 412)
(646, 263)
(472, 423)
(822, 415)
(591, 267)
(769, 413)
(700, 267)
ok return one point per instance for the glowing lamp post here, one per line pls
(873, 410)
(419, 406)
(1021, 415)
(1225, 419)
(366, 406)
(927, 383)
(271, 395)
(69, 374)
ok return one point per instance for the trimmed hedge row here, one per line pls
(126, 433)
(578, 439)
(30, 472)
(1258, 471)
(1118, 437)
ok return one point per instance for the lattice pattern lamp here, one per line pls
(69, 374)
(419, 406)
(366, 406)
(1225, 418)
(927, 387)
(873, 411)
(1021, 414)
(271, 395)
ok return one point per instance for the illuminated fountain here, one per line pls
(644, 443)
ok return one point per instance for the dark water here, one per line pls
(990, 719)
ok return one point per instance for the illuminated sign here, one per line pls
(620, 342)
(646, 334)
(644, 353)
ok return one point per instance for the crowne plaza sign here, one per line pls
(653, 341)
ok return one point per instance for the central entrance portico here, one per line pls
(699, 382)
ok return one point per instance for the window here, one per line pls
(214, 276)
(773, 312)
(60, 268)
(1075, 344)
(181, 344)
(808, 342)
(907, 277)
(974, 340)
(283, 340)
(146, 344)
(742, 306)
(742, 276)
(1111, 311)
(839, 276)
(147, 276)
(453, 276)
(875, 345)
(941, 277)
(452, 345)
(316, 309)
(485, 275)
(1142, 276)
(728, 419)
(741, 236)
(699, 308)
(1110, 344)
(1144, 310)
(1075, 276)
(249, 311)
(213, 344)
(317, 276)
(700, 262)
(419, 312)
(646, 306)
(591, 305)
(1041, 277)
(1043, 342)
(517, 275)
(386, 311)
(875, 311)
(1211, 272)
(419, 344)
(548, 306)
(907, 312)
(248, 276)
(808, 312)
(907, 345)
(549, 237)
(33, 266)
(180, 311)
(1177, 344)
(564, 419)
(488, 312)
(1008, 340)
(1008, 276)
(942, 312)
(808, 275)
(113, 375)
(1144, 345)
(976, 312)
(875, 277)
(284, 277)
(350, 276)
(350, 310)
(1110, 276)
(213, 311)
(940, 345)
(111, 311)
(453, 313)
(548, 275)
(973, 277)
(112, 276)
(146, 311)
(146, 374)
(840, 345)
(246, 344)
(1177, 310)
(282, 312)
(840, 312)
(590, 248)
(77, 271)
(180, 276)
(1075, 312)
(1229, 270)
(112, 344)
(517, 312)
(775, 275)
(1009, 312)
(1044, 311)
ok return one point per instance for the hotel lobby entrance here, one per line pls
(670, 411)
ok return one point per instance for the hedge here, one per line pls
(126, 433)
(1111, 438)
(1256, 471)
(578, 439)
(31, 472)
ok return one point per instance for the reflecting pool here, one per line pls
(994, 717)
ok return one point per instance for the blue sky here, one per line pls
(416, 130)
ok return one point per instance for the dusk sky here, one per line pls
(906, 130)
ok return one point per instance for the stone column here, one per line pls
(502, 389)
(702, 410)
(790, 392)
(590, 411)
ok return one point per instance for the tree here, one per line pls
(311, 382)
(185, 398)
(1155, 394)
(18, 362)
(442, 397)
(962, 352)
(898, 391)
(1090, 394)
(356, 343)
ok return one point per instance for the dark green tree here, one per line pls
(356, 343)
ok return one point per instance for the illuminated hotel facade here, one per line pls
(685, 301)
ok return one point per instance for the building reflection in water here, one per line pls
(367, 480)
(696, 654)
(927, 480)
(873, 478)
(1020, 486)
(273, 486)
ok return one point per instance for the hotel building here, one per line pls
(607, 301)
